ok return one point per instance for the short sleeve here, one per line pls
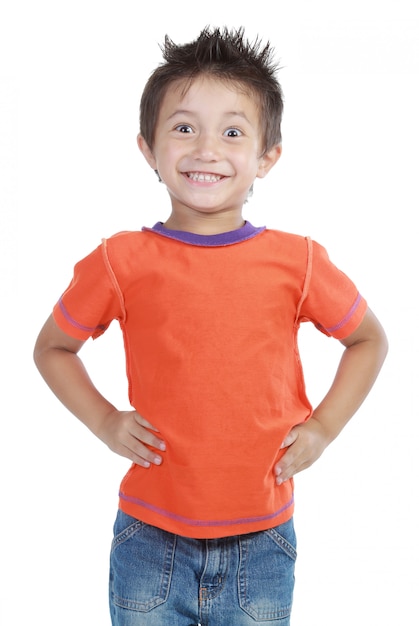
(91, 301)
(332, 303)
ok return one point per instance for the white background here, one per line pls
(71, 76)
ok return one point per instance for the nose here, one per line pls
(207, 147)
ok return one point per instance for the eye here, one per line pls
(183, 128)
(232, 132)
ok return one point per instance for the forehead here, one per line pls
(212, 94)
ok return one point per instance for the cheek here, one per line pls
(161, 162)
(168, 155)
(250, 166)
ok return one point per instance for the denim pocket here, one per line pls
(266, 572)
(141, 564)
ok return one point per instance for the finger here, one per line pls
(290, 438)
(143, 422)
(289, 464)
(139, 441)
(145, 436)
(294, 461)
(141, 430)
(143, 456)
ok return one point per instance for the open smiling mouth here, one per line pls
(203, 178)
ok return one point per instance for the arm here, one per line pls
(124, 432)
(364, 354)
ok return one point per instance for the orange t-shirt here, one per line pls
(210, 335)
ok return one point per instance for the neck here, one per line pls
(205, 224)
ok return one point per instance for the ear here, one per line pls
(268, 160)
(146, 151)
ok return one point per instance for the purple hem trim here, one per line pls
(66, 314)
(347, 317)
(222, 239)
(192, 522)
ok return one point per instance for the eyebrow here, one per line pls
(227, 114)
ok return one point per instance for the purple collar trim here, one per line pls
(222, 239)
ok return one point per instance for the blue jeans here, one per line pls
(161, 579)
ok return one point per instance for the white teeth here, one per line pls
(203, 178)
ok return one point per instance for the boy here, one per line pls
(209, 307)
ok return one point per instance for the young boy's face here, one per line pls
(208, 146)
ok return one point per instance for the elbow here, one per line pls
(38, 354)
(384, 346)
